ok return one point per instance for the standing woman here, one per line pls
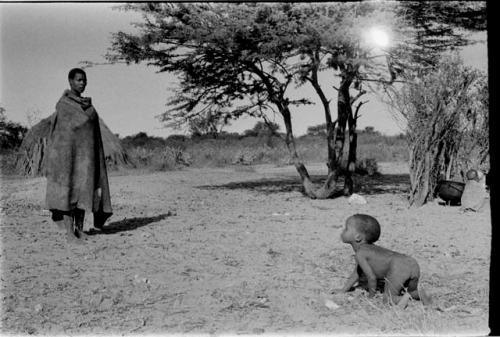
(77, 180)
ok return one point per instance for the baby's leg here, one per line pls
(394, 283)
(418, 294)
(401, 272)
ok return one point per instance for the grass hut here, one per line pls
(30, 159)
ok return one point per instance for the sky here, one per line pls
(41, 42)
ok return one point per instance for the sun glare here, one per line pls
(378, 37)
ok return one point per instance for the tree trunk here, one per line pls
(351, 161)
(353, 148)
(292, 150)
(310, 189)
(289, 139)
(330, 125)
(344, 110)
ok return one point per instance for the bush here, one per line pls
(367, 166)
(11, 133)
(8, 159)
(160, 159)
(142, 140)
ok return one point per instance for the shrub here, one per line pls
(367, 166)
(11, 133)
(160, 159)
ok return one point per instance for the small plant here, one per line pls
(161, 159)
(367, 166)
(246, 156)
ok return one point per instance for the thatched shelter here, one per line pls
(30, 160)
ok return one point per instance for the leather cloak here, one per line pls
(75, 163)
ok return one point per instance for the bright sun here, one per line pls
(378, 37)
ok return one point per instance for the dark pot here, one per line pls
(450, 191)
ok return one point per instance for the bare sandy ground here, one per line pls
(234, 251)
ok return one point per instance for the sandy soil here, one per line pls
(234, 251)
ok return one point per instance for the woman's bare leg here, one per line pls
(70, 230)
(79, 215)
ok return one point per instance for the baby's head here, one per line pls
(361, 227)
(472, 175)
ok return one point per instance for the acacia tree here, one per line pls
(421, 32)
(333, 40)
(330, 37)
(231, 59)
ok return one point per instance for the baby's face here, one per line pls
(349, 232)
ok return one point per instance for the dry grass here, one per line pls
(224, 251)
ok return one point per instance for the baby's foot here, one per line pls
(403, 302)
(424, 297)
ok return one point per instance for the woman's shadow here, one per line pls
(128, 224)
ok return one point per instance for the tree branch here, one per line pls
(360, 93)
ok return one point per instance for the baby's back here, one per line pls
(385, 262)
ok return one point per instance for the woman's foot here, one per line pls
(79, 216)
(73, 239)
(71, 231)
(403, 301)
(60, 224)
(81, 234)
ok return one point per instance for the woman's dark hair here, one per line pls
(72, 73)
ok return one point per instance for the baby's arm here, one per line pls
(353, 278)
(368, 271)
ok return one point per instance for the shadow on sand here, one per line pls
(367, 185)
(128, 224)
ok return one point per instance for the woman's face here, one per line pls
(78, 83)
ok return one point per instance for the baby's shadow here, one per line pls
(128, 224)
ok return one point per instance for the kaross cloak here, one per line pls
(75, 162)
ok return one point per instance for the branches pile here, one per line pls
(446, 114)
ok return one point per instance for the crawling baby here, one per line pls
(378, 268)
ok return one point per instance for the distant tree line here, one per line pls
(11, 133)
